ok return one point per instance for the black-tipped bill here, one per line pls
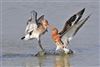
(22, 38)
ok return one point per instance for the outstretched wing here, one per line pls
(68, 35)
(33, 17)
(71, 21)
(32, 23)
(40, 19)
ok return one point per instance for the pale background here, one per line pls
(14, 17)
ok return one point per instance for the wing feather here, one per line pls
(40, 19)
(68, 35)
(71, 21)
(32, 23)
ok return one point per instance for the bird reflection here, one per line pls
(51, 61)
(36, 62)
(62, 61)
(41, 60)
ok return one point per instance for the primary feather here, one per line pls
(74, 19)
(68, 35)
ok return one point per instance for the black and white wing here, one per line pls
(40, 19)
(32, 23)
(71, 21)
(68, 35)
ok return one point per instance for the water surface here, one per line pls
(18, 53)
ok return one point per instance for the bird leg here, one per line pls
(70, 51)
(40, 53)
(40, 45)
(67, 44)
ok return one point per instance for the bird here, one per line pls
(35, 28)
(71, 27)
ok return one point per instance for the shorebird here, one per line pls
(70, 29)
(35, 28)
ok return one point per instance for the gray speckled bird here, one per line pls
(35, 28)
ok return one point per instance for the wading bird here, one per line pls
(71, 27)
(35, 28)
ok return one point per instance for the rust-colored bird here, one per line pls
(35, 28)
(71, 27)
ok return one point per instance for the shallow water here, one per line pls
(18, 53)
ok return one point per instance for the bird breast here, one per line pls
(41, 29)
(56, 38)
(35, 34)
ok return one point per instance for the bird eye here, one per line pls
(30, 33)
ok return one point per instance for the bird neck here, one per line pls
(54, 32)
(56, 37)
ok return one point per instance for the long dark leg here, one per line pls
(67, 44)
(70, 51)
(41, 53)
(39, 41)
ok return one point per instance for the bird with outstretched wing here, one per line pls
(70, 29)
(35, 28)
